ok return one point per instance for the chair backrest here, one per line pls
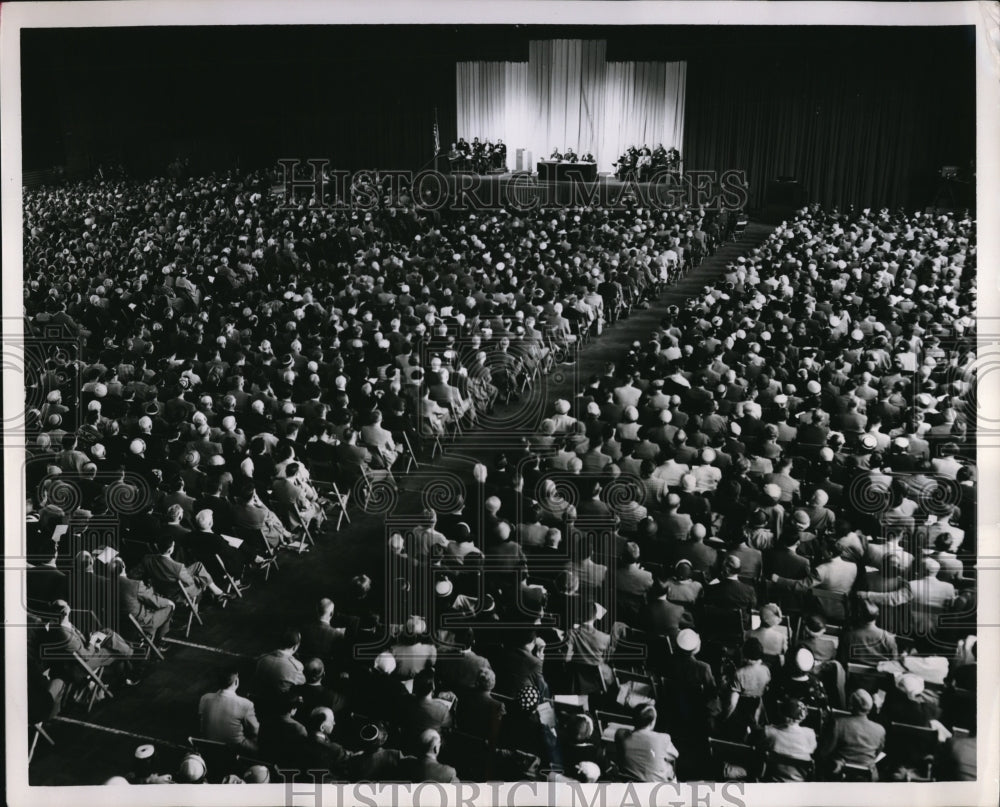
(917, 740)
(805, 767)
(720, 623)
(609, 722)
(728, 757)
(868, 678)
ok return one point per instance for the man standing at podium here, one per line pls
(500, 155)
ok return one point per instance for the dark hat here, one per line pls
(373, 735)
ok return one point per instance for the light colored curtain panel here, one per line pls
(567, 94)
(643, 105)
(482, 98)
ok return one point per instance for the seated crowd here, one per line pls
(222, 375)
(747, 549)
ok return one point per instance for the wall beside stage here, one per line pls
(858, 116)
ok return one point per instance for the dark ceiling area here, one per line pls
(368, 96)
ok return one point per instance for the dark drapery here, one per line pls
(854, 127)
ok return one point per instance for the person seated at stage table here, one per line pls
(556, 154)
(570, 155)
(659, 155)
(673, 158)
(587, 157)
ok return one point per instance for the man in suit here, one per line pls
(461, 670)
(426, 768)
(228, 718)
(137, 599)
(730, 591)
(320, 639)
(645, 755)
(630, 578)
(783, 559)
(868, 643)
(279, 670)
(168, 577)
(664, 617)
(673, 526)
(210, 548)
(313, 694)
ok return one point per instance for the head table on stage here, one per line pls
(562, 170)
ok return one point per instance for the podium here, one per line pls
(522, 162)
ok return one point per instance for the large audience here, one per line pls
(746, 549)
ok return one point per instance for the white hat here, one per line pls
(593, 409)
(562, 406)
(137, 446)
(868, 441)
(773, 491)
(688, 640)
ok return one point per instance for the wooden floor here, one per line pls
(163, 707)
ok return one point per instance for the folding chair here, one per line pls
(920, 743)
(860, 773)
(430, 432)
(95, 678)
(861, 676)
(734, 761)
(232, 587)
(145, 638)
(608, 724)
(772, 761)
(411, 457)
(468, 754)
(39, 731)
(640, 686)
(193, 613)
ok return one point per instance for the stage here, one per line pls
(527, 191)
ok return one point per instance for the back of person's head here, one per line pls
(644, 715)
(228, 676)
(314, 670)
(753, 650)
(430, 742)
(486, 679)
(423, 683)
(581, 728)
(290, 638)
(860, 702)
(815, 624)
(630, 553)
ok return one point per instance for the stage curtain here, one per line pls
(643, 104)
(568, 94)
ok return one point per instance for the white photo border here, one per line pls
(984, 15)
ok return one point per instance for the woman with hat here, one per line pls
(799, 681)
(854, 739)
